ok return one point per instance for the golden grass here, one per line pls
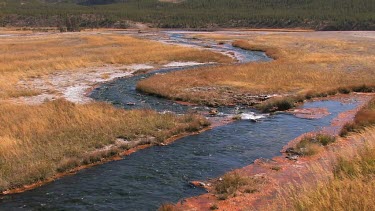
(22, 57)
(352, 184)
(303, 64)
(364, 118)
(352, 187)
(36, 142)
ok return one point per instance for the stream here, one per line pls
(147, 178)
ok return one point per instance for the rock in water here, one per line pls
(213, 112)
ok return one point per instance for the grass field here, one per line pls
(40, 141)
(310, 62)
(33, 56)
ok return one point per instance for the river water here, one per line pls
(146, 179)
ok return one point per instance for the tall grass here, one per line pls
(364, 118)
(36, 142)
(351, 188)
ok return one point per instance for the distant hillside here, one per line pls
(314, 14)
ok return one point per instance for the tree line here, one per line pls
(315, 14)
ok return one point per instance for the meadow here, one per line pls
(304, 65)
(32, 56)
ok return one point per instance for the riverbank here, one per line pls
(276, 183)
(113, 152)
(58, 136)
(306, 64)
(86, 53)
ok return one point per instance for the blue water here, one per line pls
(121, 92)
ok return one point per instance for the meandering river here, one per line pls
(146, 179)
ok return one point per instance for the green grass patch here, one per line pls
(311, 145)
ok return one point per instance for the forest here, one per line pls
(211, 14)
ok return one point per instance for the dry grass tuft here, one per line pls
(312, 144)
(364, 118)
(233, 182)
(36, 142)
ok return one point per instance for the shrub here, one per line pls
(307, 148)
(233, 182)
(311, 145)
(325, 139)
(365, 117)
(332, 92)
(344, 90)
(363, 88)
(280, 104)
(230, 183)
(214, 207)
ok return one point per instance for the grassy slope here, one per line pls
(320, 14)
(302, 65)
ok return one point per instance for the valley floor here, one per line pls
(49, 126)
